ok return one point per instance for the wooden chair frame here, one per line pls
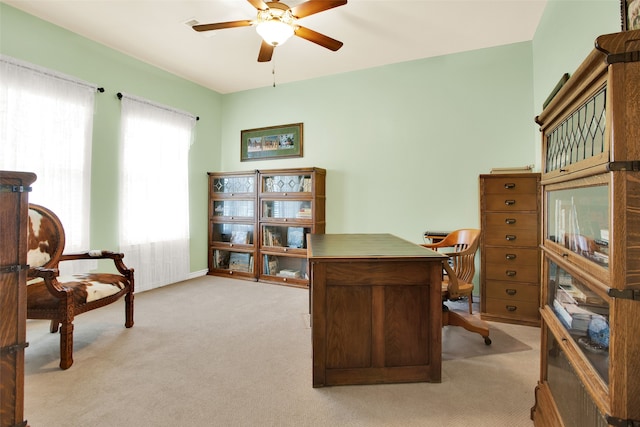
(64, 312)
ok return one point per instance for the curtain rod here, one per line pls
(48, 72)
(164, 107)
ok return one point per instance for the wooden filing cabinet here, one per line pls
(510, 258)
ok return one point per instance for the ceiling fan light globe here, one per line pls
(274, 32)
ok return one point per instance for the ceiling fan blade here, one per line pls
(258, 4)
(266, 52)
(314, 6)
(317, 38)
(222, 25)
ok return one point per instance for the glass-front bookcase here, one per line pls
(590, 302)
(259, 221)
(292, 205)
(232, 224)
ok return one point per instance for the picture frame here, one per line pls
(630, 14)
(273, 142)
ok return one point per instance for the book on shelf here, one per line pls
(285, 272)
(271, 237)
(239, 261)
(295, 237)
(241, 237)
(304, 212)
(270, 264)
(221, 259)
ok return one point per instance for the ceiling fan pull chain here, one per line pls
(273, 71)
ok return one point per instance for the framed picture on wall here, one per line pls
(272, 142)
(630, 14)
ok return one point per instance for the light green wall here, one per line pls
(28, 38)
(403, 144)
(564, 38)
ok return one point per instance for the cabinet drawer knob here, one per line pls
(511, 273)
(510, 257)
(510, 185)
(510, 237)
(511, 292)
(509, 202)
(510, 221)
(511, 308)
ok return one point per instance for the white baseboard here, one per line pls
(195, 274)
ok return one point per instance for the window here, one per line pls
(154, 191)
(46, 124)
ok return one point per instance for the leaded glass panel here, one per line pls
(580, 136)
(244, 184)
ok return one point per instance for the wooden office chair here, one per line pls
(458, 279)
(60, 299)
(462, 245)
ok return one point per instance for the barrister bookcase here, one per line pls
(14, 204)
(590, 300)
(259, 221)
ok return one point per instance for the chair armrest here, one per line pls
(101, 254)
(435, 245)
(50, 277)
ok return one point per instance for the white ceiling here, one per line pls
(374, 32)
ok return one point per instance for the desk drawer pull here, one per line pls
(510, 202)
(510, 185)
(511, 273)
(511, 292)
(510, 221)
(510, 257)
(510, 237)
(511, 308)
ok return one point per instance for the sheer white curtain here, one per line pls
(154, 191)
(46, 124)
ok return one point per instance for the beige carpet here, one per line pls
(220, 352)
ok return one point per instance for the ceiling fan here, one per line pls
(276, 22)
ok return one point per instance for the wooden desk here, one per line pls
(376, 310)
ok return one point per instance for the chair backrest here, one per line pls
(464, 245)
(45, 238)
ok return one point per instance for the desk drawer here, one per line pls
(512, 308)
(511, 185)
(512, 256)
(509, 291)
(513, 272)
(510, 202)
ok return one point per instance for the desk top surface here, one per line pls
(365, 246)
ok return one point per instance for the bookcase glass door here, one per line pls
(286, 237)
(232, 233)
(287, 183)
(234, 208)
(233, 260)
(233, 184)
(287, 267)
(286, 209)
(583, 313)
(578, 220)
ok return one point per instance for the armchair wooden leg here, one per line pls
(470, 303)
(53, 327)
(66, 345)
(128, 306)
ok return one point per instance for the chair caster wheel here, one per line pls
(487, 340)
